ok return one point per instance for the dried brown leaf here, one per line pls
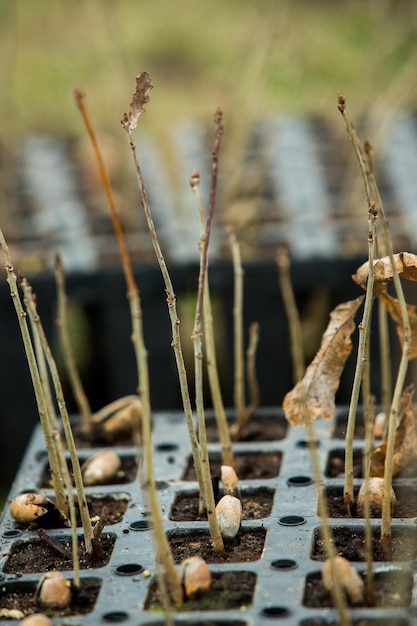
(140, 97)
(394, 309)
(404, 262)
(405, 446)
(321, 380)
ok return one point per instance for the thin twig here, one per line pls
(82, 500)
(252, 380)
(57, 480)
(360, 362)
(211, 359)
(68, 353)
(52, 543)
(239, 387)
(288, 298)
(141, 355)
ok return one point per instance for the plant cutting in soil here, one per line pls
(227, 521)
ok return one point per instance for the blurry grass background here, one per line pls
(250, 58)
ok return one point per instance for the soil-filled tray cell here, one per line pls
(405, 507)
(248, 465)
(115, 505)
(271, 427)
(256, 504)
(335, 467)
(21, 596)
(124, 475)
(247, 546)
(349, 542)
(228, 590)
(36, 555)
(392, 589)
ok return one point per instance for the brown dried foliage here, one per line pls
(321, 380)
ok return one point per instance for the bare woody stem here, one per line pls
(360, 361)
(57, 481)
(172, 309)
(208, 494)
(211, 360)
(62, 323)
(79, 485)
(133, 296)
(384, 343)
(253, 386)
(297, 352)
(239, 386)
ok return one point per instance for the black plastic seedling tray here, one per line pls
(287, 566)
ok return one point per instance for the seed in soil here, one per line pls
(22, 596)
(405, 507)
(229, 590)
(393, 589)
(248, 465)
(116, 505)
(34, 555)
(247, 546)
(126, 474)
(256, 504)
(349, 542)
(269, 427)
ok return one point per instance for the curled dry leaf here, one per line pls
(318, 387)
(347, 576)
(195, 575)
(405, 445)
(140, 97)
(394, 309)
(404, 262)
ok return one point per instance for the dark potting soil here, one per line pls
(247, 546)
(228, 590)
(260, 428)
(256, 504)
(350, 543)
(248, 466)
(35, 555)
(22, 596)
(126, 473)
(405, 507)
(335, 467)
(392, 589)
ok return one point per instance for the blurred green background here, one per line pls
(250, 58)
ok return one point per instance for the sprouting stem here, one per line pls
(56, 477)
(79, 485)
(172, 307)
(239, 387)
(133, 296)
(211, 360)
(253, 386)
(360, 362)
(287, 293)
(62, 324)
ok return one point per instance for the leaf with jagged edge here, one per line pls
(139, 98)
(405, 445)
(318, 387)
(404, 262)
(394, 309)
